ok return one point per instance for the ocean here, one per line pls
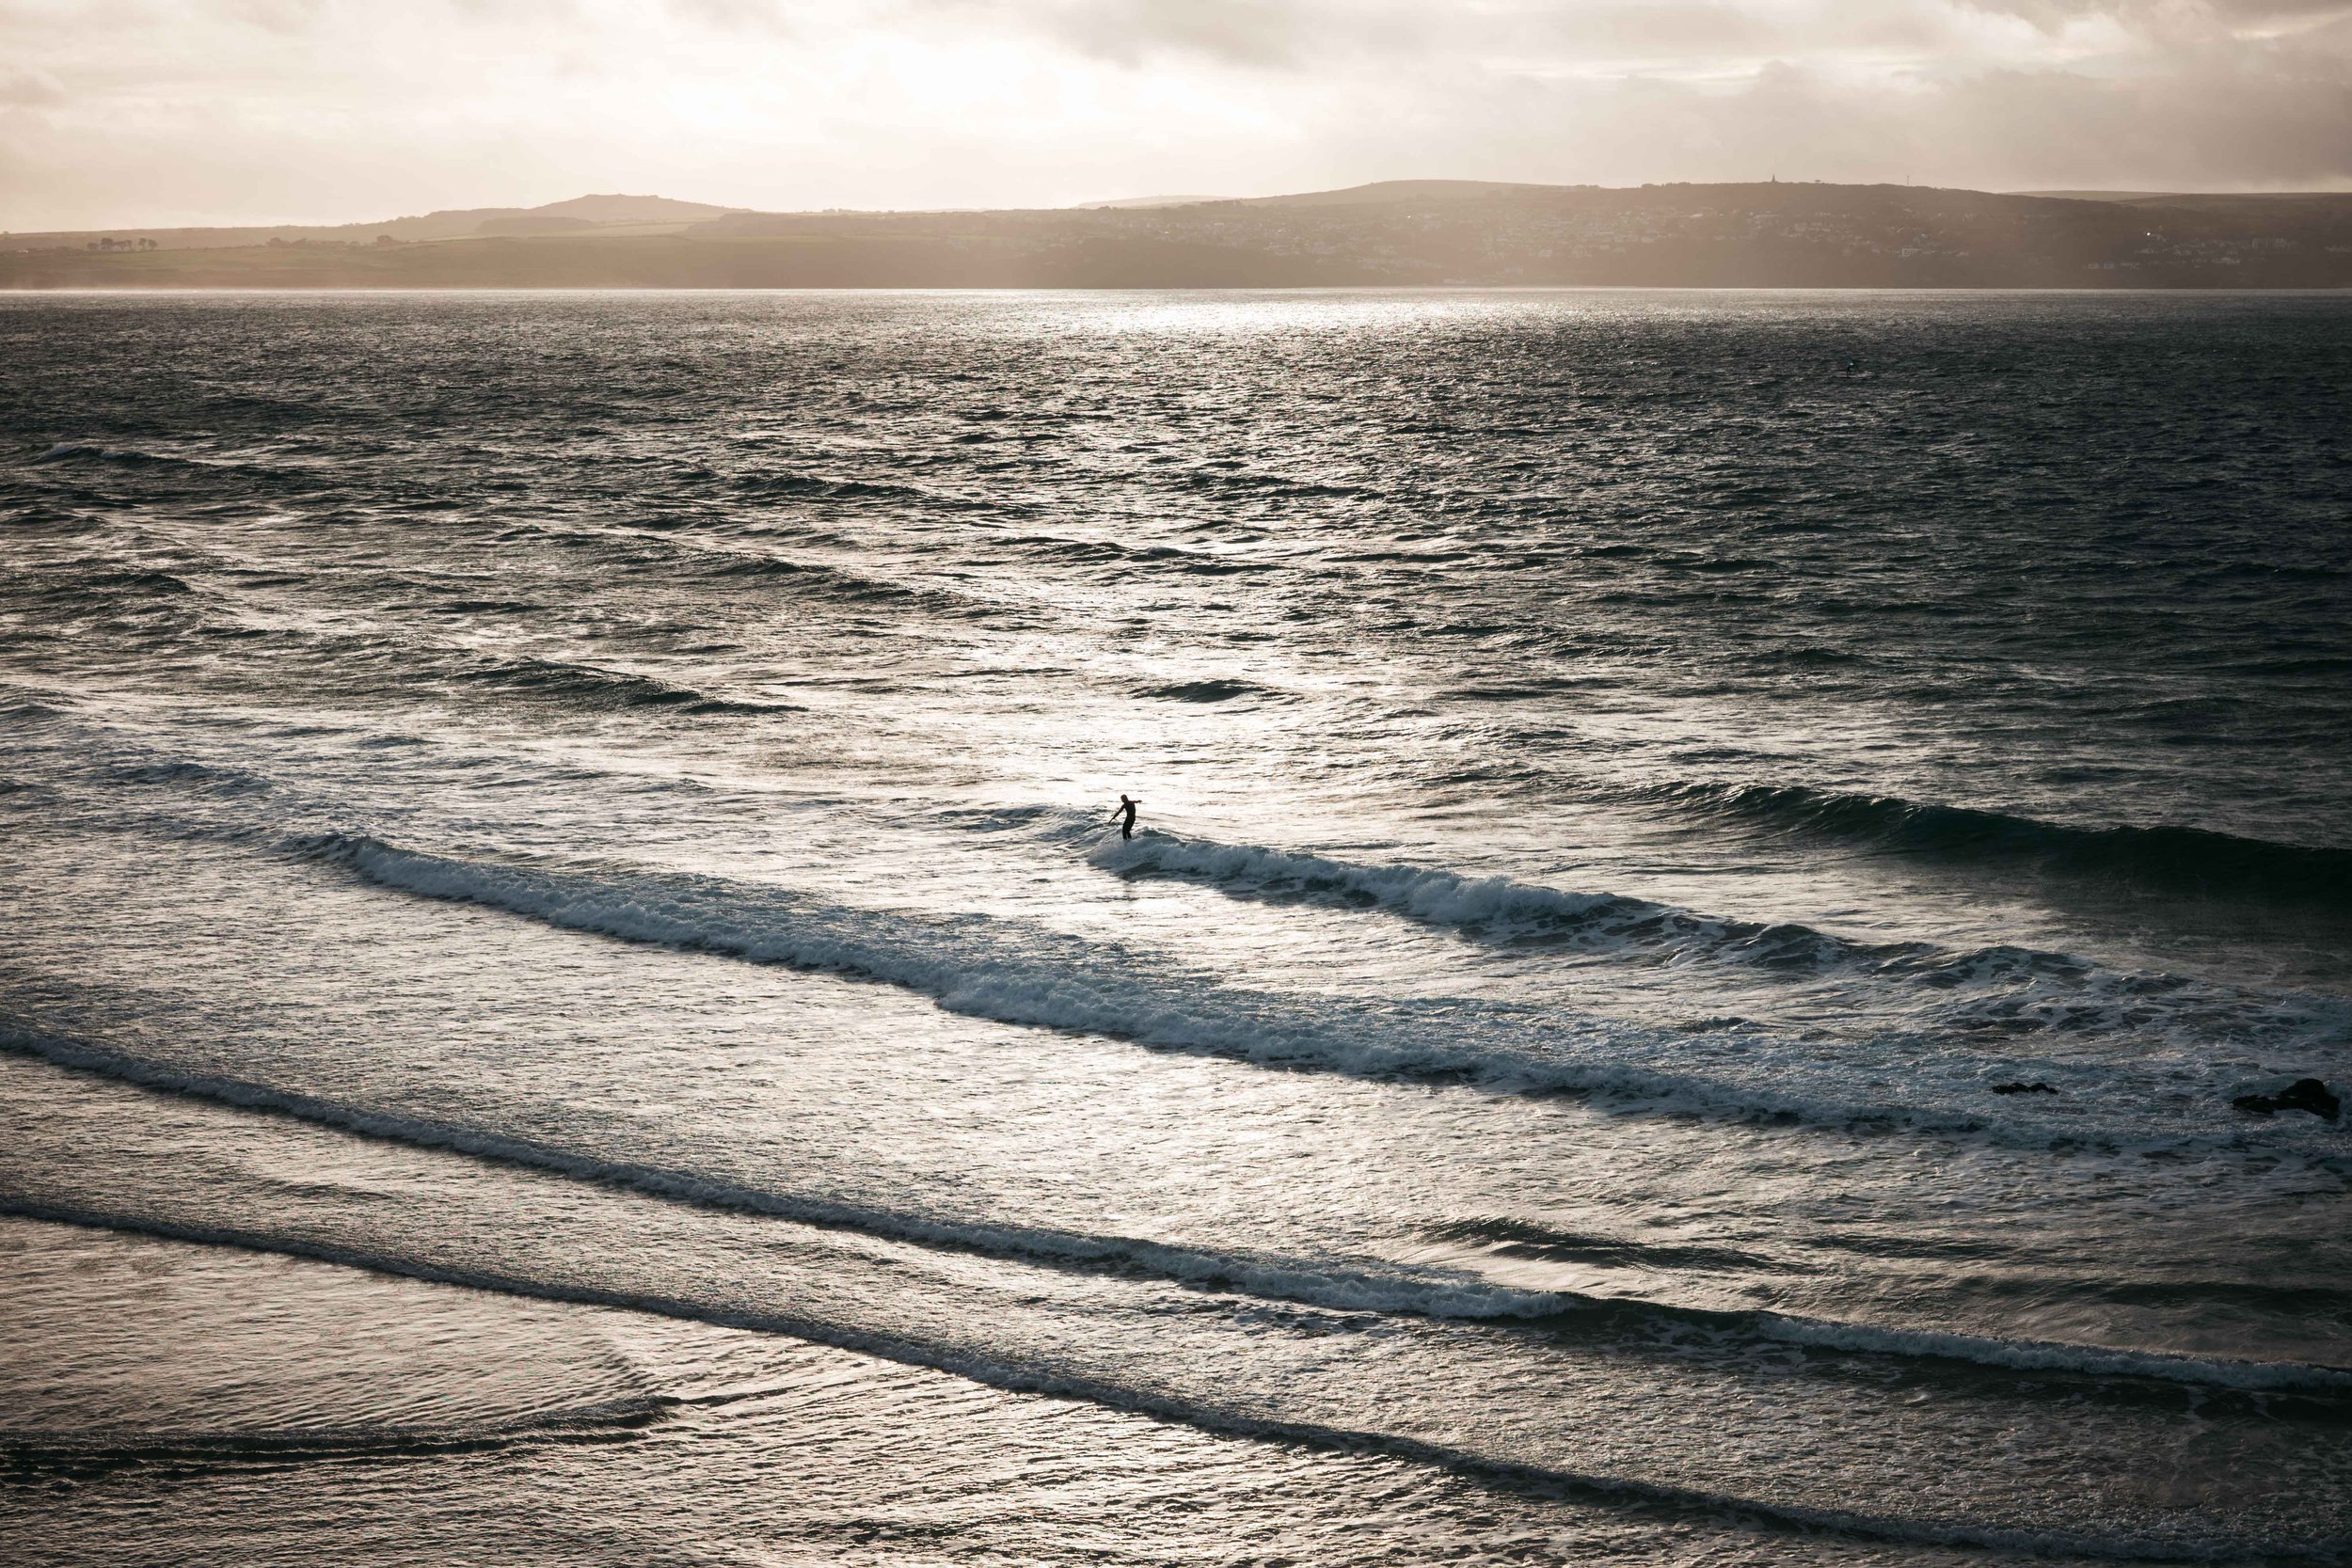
(1710, 868)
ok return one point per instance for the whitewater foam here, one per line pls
(2012, 988)
(1013, 972)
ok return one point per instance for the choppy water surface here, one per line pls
(567, 986)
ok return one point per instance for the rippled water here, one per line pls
(1710, 866)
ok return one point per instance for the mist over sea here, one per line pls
(1709, 867)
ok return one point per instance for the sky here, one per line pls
(152, 112)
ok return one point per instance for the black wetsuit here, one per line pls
(1126, 817)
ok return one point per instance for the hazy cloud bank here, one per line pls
(119, 111)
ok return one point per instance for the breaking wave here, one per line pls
(1017, 973)
(2176, 860)
(2006, 990)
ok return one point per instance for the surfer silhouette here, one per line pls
(1126, 817)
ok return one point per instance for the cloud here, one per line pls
(115, 112)
(30, 88)
(1240, 32)
(2168, 17)
(278, 16)
(746, 15)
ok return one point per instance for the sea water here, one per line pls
(1709, 867)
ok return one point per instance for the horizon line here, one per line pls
(1147, 203)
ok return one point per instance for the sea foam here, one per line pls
(1018, 973)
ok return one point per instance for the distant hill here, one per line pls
(1390, 193)
(1420, 232)
(531, 223)
(429, 226)
(2250, 206)
(2207, 200)
(634, 209)
(2107, 195)
(580, 212)
(1136, 201)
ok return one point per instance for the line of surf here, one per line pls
(1353, 1287)
(1031, 977)
(2013, 986)
(1029, 1377)
(2165, 857)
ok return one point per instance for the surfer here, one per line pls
(1126, 817)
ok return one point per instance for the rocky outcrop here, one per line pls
(2304, 1094)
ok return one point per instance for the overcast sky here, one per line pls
(194, 111)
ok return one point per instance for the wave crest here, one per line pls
(2003, 988)
(2167, 859)
(1031, 977)
(590, 686)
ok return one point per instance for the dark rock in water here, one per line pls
(2036, 1086)
(2304, 1094)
